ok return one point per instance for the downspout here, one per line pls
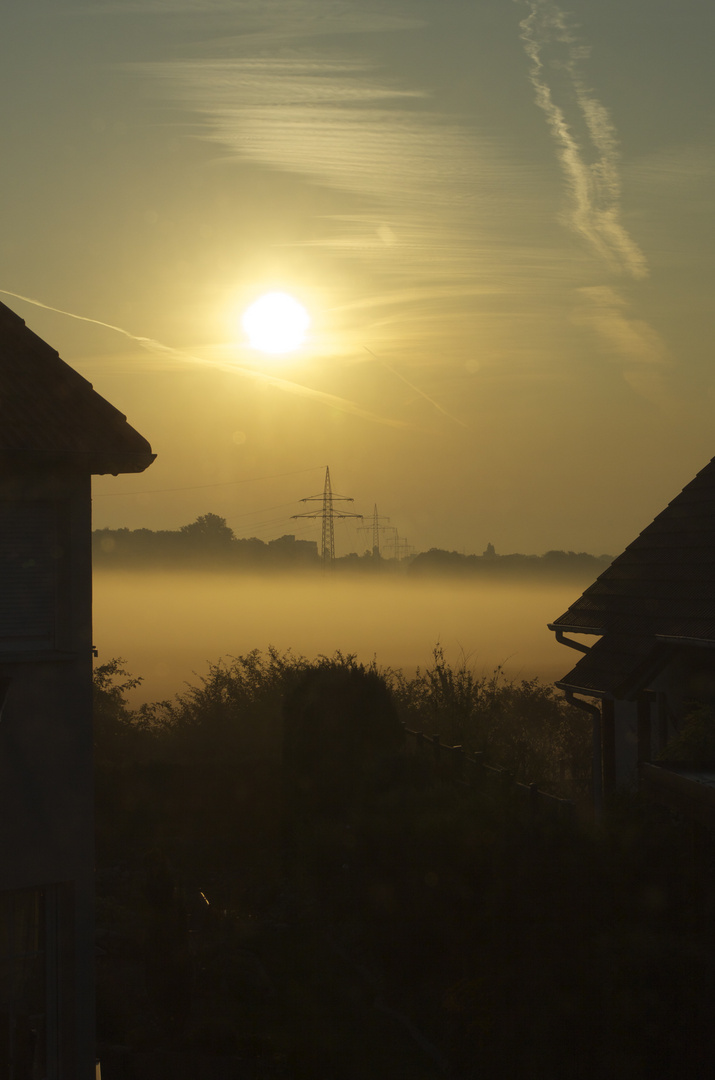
(597, 760)
(577, 645)
(594, 710)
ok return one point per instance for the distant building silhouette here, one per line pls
(653, 611)
(55, 432)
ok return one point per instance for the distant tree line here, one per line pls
(208, 542)
(552, 564)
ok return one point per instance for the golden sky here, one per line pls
(498, 215)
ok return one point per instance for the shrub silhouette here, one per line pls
(339, 721)
(526, 726)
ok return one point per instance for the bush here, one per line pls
(339, 722)
(525, 726)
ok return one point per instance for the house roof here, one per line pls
(658, 595)
(48, 412)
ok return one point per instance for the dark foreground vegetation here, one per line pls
(284, 891)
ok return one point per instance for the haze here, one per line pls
(498, 216)
(189, 620)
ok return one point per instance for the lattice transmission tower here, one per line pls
(328, 514)
(377, 528)
(401, 549)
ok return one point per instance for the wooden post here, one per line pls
(436, 748)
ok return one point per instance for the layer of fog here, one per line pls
(169, 627)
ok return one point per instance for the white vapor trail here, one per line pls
(286, 385)
(144, 341)
(416, 389)
(594, 189)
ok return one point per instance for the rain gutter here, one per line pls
(585, 706)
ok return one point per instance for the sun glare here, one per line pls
(276, 323)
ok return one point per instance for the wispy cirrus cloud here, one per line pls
(434, 206)
(588, 150)
(632, 342)
(427, 199)
(274, 19)
(631, 339)
(594, 186)
(336, 121)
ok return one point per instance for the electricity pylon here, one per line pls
(328, 514)
(404, 549)
(400, 547)
(377, 528)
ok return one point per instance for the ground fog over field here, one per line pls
(169, 627)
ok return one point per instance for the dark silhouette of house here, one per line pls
(55, 432)
(653, 611)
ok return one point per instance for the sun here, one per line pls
(276, 323)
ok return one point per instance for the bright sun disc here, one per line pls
(276, 323)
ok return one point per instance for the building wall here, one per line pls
(46, 775)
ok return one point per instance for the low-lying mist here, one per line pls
(169, 626)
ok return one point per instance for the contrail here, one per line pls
(286, 385)
(435, 404)
(595, 189)
(147, 342)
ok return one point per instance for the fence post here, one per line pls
(458, 759)
(436, 748)
(476, 774)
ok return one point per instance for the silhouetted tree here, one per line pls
(120, 734)
(209, 529)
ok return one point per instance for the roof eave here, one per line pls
(96, 464)
(121, 463)
(574, 628)
(586, 691)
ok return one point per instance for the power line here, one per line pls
(202, 487)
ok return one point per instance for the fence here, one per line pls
(492, 783)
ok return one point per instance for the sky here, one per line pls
(498, 214)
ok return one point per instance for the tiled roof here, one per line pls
(661, 587)
(617, 665)
(48, 411)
